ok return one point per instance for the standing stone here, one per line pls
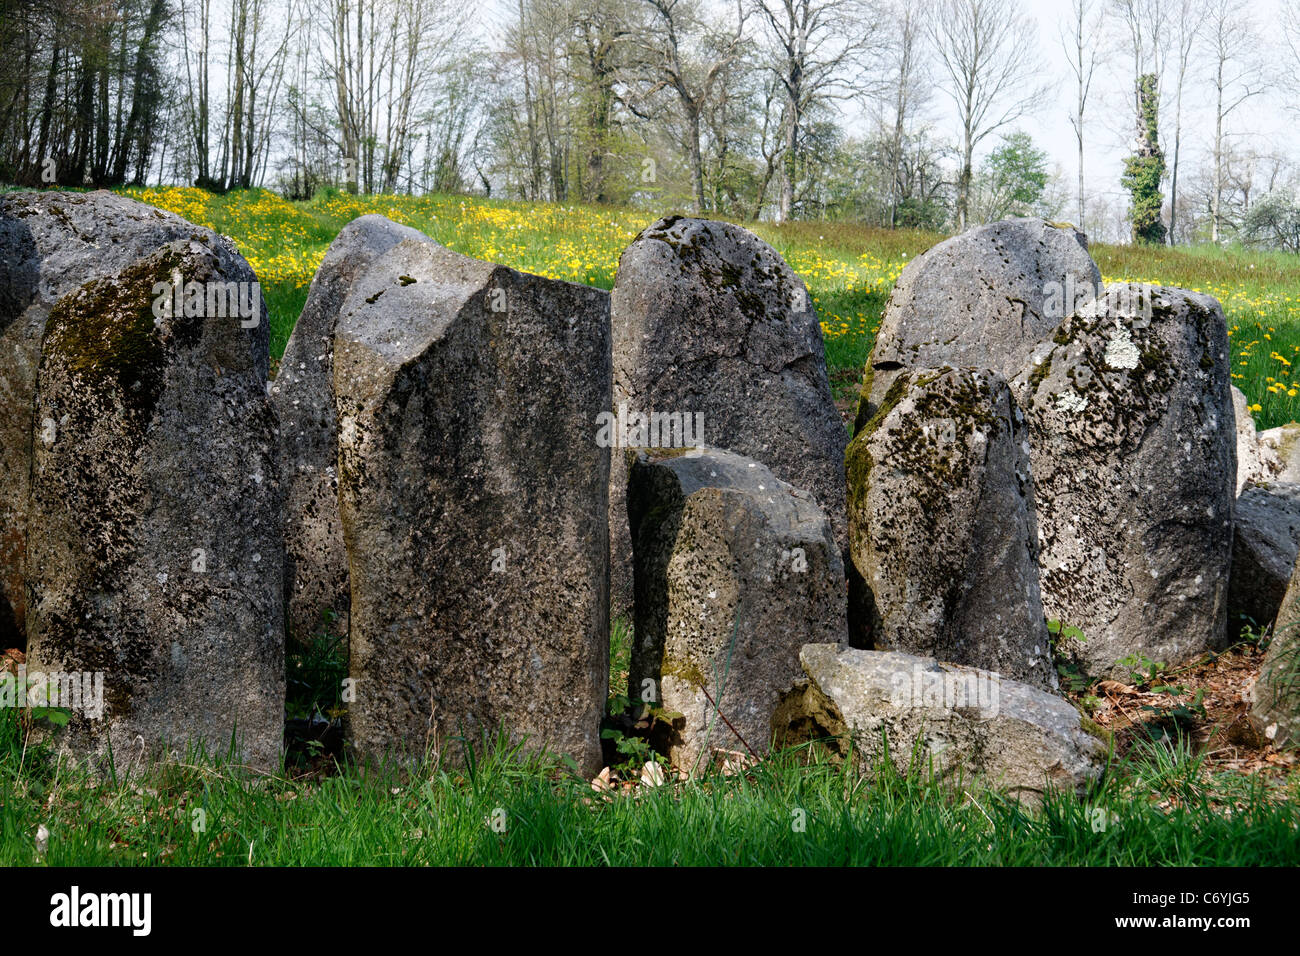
(734, 570)
(1133, 454)
(955, 722)
(316, 570)
(941, 525)
(710, 321)
(473, 495)
(1265, 542)
(155, 528)
(51, 243)
(1251, 456)
(982, 299)
(1277, 690)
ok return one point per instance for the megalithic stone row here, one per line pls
(942, 526)
(981, 299)
(316, 572)
(50, 244)
(1133, 451)
(711, 325)
(734, 571)
(474, 501)
(154, 536)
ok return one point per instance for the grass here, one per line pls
(849, 269)
(511, 808)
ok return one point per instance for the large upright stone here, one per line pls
(982, 299)
(1277, 689)
(734, 571)
(942, 528)
(708, 319)
(316, 569)
(927, 717)
(1133, 452)
(155, 528)
(1265, 542)
(474, 501)
(51, 243)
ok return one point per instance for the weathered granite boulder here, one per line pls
(982, 299)
(1277, 690)
(734, 570)
(155, 537)
(473, 495)
(316, 573)
(942, 528)
(1265, 542)
(959, 722)
(710, 323)
(1133, 454)
(51, 243)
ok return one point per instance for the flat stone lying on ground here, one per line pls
(958, 723)
(316, 573)
(473, 496)
(155, 536)
(711, 324)
(1133, 451)
(734, 569)
(942, 528)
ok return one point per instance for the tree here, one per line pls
(1274, 222)
(688, 57)
(1012, 179)
(818, 54)
(1187, 16)
(1232, 40)
(987, 71)
(1081, 54)
(906, 89)
(1145, 169)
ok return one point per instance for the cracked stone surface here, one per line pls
(155, 548)
(982, 299)
(708, 318)
(1133, 451)
(955, 722)
(316, 569)
(735, 570)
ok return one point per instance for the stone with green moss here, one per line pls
(51, 243)
(155, 536)
(941, 524)
(1133, 440)
(982, 299)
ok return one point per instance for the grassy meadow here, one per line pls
(849, 269)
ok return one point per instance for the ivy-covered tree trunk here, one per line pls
(1145, 169)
